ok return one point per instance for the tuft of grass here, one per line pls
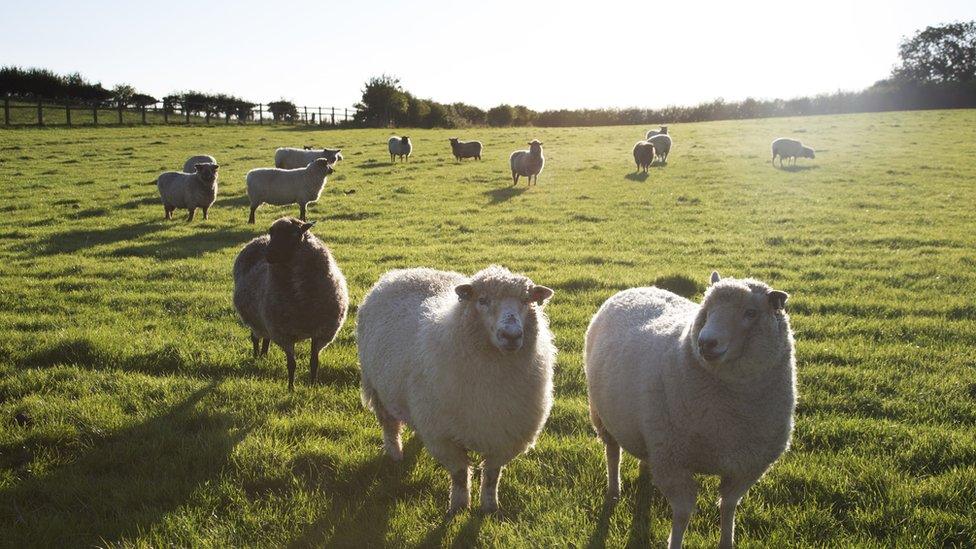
(132, 414)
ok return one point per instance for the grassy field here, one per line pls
(132, 414)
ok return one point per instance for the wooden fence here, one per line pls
(41, 113)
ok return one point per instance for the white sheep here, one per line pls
(189, 190)
(289, 158)
(288, 288)
(652, 133)
(400, 147)
(785, 147)
(465, 149)
(527, 163)
(693, 389)
(662, 146)
(279, 187)
(466, 362)
(190, 165)
(643, 155)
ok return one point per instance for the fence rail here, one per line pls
(42, 113)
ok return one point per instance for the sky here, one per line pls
(545, 55)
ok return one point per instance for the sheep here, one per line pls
(662, 146)
(466, 362)
(288, 158)
(288, 288)
(785, 147)
(189, 190)
(693, 389)
(400, 147)
(528, 163)
(465, 149)
(643, 155)
(279, 187)
(652, 133)
(190, 165)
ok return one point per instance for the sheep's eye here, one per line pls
(751, 313)
(483, 301)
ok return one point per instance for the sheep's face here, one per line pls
(405, 140)
(286, 234)
(731, 312)
(207, 171)
(535, 146)
(323, 162)
(807, 152)
(453, 140)
(502, 303)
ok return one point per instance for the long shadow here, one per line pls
(598, 538)
(468, 535)
(640, 525)
(192, 245)
(234, 202)
(73, 241)
(363, 499)
(375, 165)
(799, 168)
(144, 201)
(503, 194)
(640, 177)
(142, 473)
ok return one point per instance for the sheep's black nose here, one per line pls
(707, 344)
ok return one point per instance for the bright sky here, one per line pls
(647, 53)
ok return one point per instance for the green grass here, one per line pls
(152, 426)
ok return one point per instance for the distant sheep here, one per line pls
(643, 155)
(662, 146)
(190, 165)
(790, 148)
(288, 288)
(279, 187)
(465, 149)
(400, 147)
(652, 133)
(189, 190)
(693, 389)
(527, 163)
(466, 362)
(289, 158)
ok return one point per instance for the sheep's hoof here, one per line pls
(395, 454)
(491, 511)
(455, 510)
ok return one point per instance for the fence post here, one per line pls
(206, 115)
(186, 111)
(165, 113)
(67, 113)
(143, 114)
(333, 116)
(260, 114)
(6, 110)
(40, 113)
(320, 116)
(346, 117)
(95, 114)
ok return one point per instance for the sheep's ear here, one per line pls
(777, 299)
(306, 226)
(199, 167)
(464, 291)
(540, 294)
(715, 277)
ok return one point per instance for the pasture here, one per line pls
(131, 412)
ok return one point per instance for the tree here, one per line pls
(383, 102)
(945, 53)
(523, 116)
(122, 94)
(502, 115)
(283, 110)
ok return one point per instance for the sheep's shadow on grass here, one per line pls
(797, 167)
(144, 201)
(682, 285)
(125, 482)
(362, 499)
(233, 201)
(598, 538)
(192, 245)
(639, 177)
(74, 241)
(645, 496)
(373, 165)
(503, 194)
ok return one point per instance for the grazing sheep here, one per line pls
(527, 163)
(790, 148)
(400, 147)
(279, 187)
(693, 389)
(662, 146)
(643, 155)
(288, 288)
(652, 133)
(465, 149)
(288, 158)
(466, 362)
(189, 190)
(190, 165)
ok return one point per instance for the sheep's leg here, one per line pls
(265, 343)
(392, 427)
(454, 458)
(251, 218)
(489, 488)
(613, 456)
(290, 353)
(514, 179)
(254, 344)
(189, 217)
(681, 489)
(302, 210)
(731, 491)
(317, 346)
(206, 212)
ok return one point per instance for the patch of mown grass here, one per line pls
(132, 414)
